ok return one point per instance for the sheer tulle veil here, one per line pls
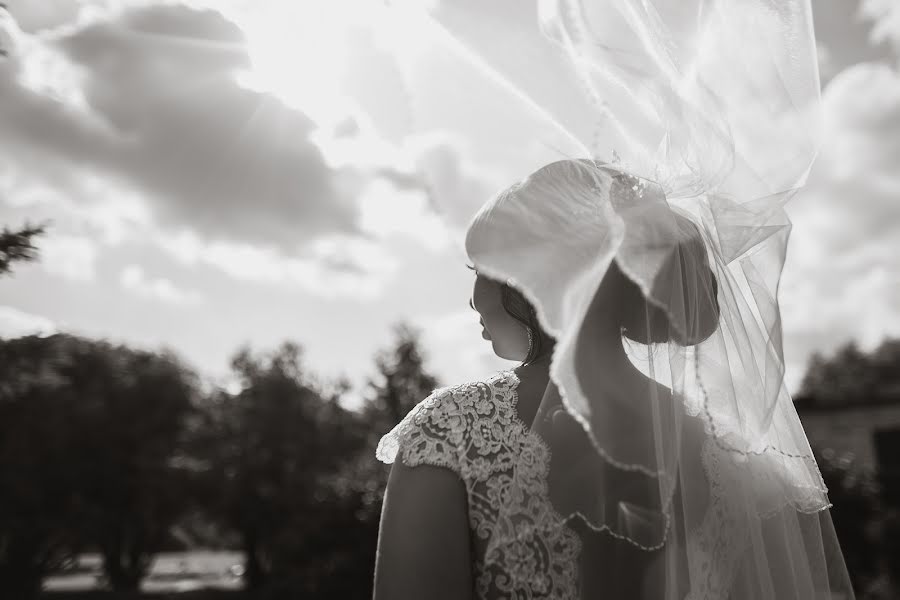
(658, 139)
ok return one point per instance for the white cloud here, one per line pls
(330, 267)
(842, 276)
(17, 323)
(160, 288)
(69, 256)
(885, 15)
(455, 350)
(457, 187)
(108, 213)
(387, 210)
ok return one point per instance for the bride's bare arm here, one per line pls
(423, 540)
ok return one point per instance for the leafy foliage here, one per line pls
(17, 245)
(852, 376)
(87, 431)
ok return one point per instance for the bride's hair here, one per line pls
(519, 308)
(686, 276)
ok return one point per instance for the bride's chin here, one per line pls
(505, 353)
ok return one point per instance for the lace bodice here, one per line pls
(523, 549)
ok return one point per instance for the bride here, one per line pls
(646, 446)
(616, 461)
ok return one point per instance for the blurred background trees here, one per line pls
(849, 403)
(88, 430)
(119, 451)
(124, 452)
(852, 376)
(266, 452)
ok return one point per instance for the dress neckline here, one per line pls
(514, 380)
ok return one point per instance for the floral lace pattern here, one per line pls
(524, 549)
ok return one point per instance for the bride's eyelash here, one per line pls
(468, 266)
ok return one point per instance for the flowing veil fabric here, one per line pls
(656, 141)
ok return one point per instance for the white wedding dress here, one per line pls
(475, 430)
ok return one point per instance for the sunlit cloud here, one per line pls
(17, 323)
(457, 187)
(885, 15)
(455, 348)
(303, 51)
(842, 277)
(388, 210)
(136, 281)
(70, 257)
(329, 267)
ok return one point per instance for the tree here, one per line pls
(885, 364)
(18, 246)
(266, 450)
(402, 381)
(358, 488)
(87, 430)
(131, 416)
(38, 496)
(851, 376)
(863, 515)
(348, 506)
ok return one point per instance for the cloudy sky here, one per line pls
(209, 184)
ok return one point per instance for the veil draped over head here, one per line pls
(653, 145)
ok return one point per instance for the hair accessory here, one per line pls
(530, 340)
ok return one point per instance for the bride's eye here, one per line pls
(472, 267)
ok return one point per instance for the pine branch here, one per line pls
(18, 246)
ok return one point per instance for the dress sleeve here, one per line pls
(432, 433)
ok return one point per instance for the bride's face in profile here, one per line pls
(507, 335)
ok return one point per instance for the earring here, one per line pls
(530, 340)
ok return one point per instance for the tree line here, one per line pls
(108, 448)
(112, 449)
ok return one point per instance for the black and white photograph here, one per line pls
(450, 299)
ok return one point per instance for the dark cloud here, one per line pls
(165, 116)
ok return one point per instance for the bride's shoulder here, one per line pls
(441, 421)
(466, 395)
